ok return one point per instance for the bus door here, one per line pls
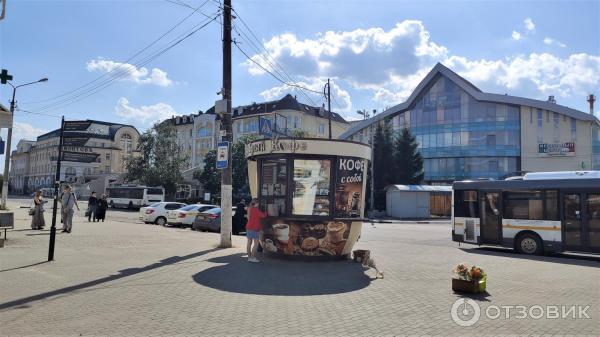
(490, 230)
(581, 221)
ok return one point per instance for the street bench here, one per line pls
(7, 221)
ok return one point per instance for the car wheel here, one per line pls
(161, 221)
(112, 204)
(529, 244)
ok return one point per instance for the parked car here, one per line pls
(157, 212)
(211, 221)
(184, 217)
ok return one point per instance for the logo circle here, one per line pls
(465, 306)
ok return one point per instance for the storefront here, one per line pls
(313, 193)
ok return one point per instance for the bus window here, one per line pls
(465, 204)
(524, 205)
(154, 191)
(552, 205)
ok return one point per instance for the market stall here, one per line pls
(313, 191)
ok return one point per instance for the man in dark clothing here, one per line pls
(239, 217)
(92, 204)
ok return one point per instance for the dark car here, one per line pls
(211, 221)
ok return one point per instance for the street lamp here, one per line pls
(366, 116)
(9, 138)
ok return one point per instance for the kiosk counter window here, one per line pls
(312, 182)
(274, 186)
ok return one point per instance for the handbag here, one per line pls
(88, 212)
(32, 211)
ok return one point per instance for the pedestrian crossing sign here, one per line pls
(265, 128)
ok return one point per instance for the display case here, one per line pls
(313, 193)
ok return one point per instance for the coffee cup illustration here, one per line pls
(335, 231)
(282, 232)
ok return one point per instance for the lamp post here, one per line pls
(366, 116)
(9, 139)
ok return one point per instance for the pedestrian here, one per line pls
(253, 229)
(101, 208)
(92, 205)
(37, 219)
(68, 200)
(239, 217)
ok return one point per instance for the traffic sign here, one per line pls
(264, 127)
(2, 145)
(222, 155)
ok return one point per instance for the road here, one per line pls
(125, 278)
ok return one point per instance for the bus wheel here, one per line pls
(130, 206)
(529, 244)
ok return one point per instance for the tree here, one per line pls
(298, 133)
(408, 163)
(210, 177)
(383, 171)
(241, 186)
(160, 161)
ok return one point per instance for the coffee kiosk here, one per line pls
(313, 191)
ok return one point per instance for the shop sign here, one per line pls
(349, 187)
(556, 150)
(276, 146)
(79, 157)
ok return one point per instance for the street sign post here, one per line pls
(222, 155)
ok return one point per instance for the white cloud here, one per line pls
(516, 35)
(126, 71)
(529, 25)
(144, 113)
(26, 131)
(387, 65)
(340, 101)
(553, 42)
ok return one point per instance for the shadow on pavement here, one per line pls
(572, 259)
(282, 277)
(24, 302)
(21, 267)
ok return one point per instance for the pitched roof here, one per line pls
(3, 108)
(288, 102)
(472, 90)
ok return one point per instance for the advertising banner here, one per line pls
(348, 187)
(554, 150)
(79, 157)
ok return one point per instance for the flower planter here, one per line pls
(469, 286)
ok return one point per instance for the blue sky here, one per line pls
(375, 52)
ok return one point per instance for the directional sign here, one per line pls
(77, 141)
(77, 125)
(4, 76)
(2, 145)
(264, 127)
(79, 157)
(222, 155)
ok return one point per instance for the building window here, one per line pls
(540, 128)
(573, 129)
(106, 169)
(531, 117)
(108, 156)
(297, 122)
(556, 121)
(87, 171)
(70, 172)
(547, 116)
(126, 143)
(321, 129)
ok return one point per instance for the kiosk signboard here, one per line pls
(349, 187)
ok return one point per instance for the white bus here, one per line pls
(134, 197)
(536, 215)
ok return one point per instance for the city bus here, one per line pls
(540, 213)
(134, 197)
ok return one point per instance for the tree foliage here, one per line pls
(408, 163)
(382, 153)
(160, 160)
(209, 176)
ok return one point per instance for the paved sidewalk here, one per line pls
(124, 278)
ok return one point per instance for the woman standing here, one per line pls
(253, 229)
(37, 220)
(101, 208)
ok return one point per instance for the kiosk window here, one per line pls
(465, 204)
(273, 186)
(311, 187)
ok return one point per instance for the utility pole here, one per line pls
(226, 185)
(328, 97)
(56, 194)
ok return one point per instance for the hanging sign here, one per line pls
(79, 157)
(222, 155)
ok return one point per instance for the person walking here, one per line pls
(253, 229)
(37, 219)
(68, 200)
(239, 217)
(92, 205)
(101, 208)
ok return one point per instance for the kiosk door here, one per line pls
(491, 218)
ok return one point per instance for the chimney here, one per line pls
(591, 99)
(551, 99)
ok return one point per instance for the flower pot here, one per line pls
(469, 286)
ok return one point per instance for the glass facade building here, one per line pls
(460, 137)
(596, 147)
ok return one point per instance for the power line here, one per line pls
(110, 73)
(124, 73)
(37, 113)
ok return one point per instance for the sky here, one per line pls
(107, 60)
